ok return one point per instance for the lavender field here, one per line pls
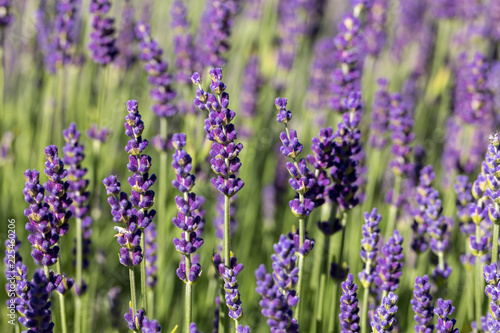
(250, 166)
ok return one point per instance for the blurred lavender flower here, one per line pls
(102, 40)
(183, 45)
(6, 17)
(36, 316)
(77, 191)
(349, 319)
(375, 36)
(371, 235)
(463, 191)
(64, 37)
(445, 9)
(323, 158)
(126, 37)
(493, 17)
(187, 218)
(443, 310)
(380, 115)
(114, 306)
(139, 322)
(421, 218)
(290, 29)
(219, 129)
(232, 294)
(320, 79)
(162, 92)
(6, 146)
(151, 255)
(44, 235)
(390, 264)
(100, 135)
(422, 305)
(410, 25)
(401, 127)
(250, 94)
(384, 319)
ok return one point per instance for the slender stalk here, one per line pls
(79, 279)
(62, 301)
(364, 311)
(151, 301)
(46, 270)
(2, 78)
(494, 250)
(188, 310)
(104, 84)
(226, 249)
(479, 278)
(301, 267)
(393, 210)
(132, 290)
(334, 303)
(143, 276)
(162, 193)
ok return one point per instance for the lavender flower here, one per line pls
(162, 92)
(114, 306)
(285, 271)
(490, 273)
(219, 129)
(323, 158)
(493, 19)
(150, 250)
(65, 31)
(290, 29)
(276, 305)
(139, 322)
(445, 9)
(44, 235)
(349, 319)
(390, 264)
(125, 41)
(77, 191)
(250, 93)
(187, 218)
(401, 126)
(6, 17)
(375, 35)
(321, 75)
(384, 319)
(463, 191)
(6, 146)
(380, 116)
(422, 306)
(443, 310)
(232, 294)
(371, 234)
(183, 45)
(102, 40)
(100, 135)
(37, 316)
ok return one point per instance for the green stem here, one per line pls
(334, 304)
(301, 269)
(364, 311)
(479, 278)
(132, 291)
(151, 298)
(62, 301)
(2, 79)
(494, 249)
(226, 247)
(46, 270)
(393, 210)
(143, 276)
(104, 83)
(79, 267)
(188, 306)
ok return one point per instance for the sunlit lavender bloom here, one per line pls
(183, 45)
(401, 127)
(422, 305)
(6, 17)
(100, 135)
(384, 319)
(126, 37)
(390, 264)
(349, 319)
(320, 79)
(411, 21)
(380, 115)
(37, 316)
(375, 35)
(443, 310)
(490, 273)
(151, 255)
(102, 39)
(250, 94)
(77, 191)
(371, 235)
(65, 31)
(162, 92)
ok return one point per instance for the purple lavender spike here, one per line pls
(443, 310)
(349, 319)
(390, 264)
(371, 235)
(151, 255)
(232, 294)
(183, 44)
(126, 38)
(380, 115)
(384, 320)
(422, 305)
(102, 40)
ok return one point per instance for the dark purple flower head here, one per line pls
(384, 319)
(492, 290)
(285, 271)
(371, 234)
(102, 39)
(390, 264)
(443, 310)
(162, 92)
(401, 127)
(150, 252)
(349, 319)
(6, 17)
(422, 305)
(232, 294)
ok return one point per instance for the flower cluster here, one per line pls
(139, 322)
(384, 319)
(374, 34)
(349, 319)
(126, 37)
(183, 45)
(65, 31)
(219, 129)
(323, 158)
(250, 92)
(492, 171)
(301, 179)
(290, 28)
(162, 92)
(492, 278)
(445, 324)
(150, 253)
(100, 135)
(321, 75)
(6, 17)
(422, 305)
(380, 115)
(102, 40)
(232, 294)
(187, 219)
(371, 235)
(401, 127)
(390, 264)
(77, 190)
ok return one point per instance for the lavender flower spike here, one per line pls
(183, 44)
(443, 310)
(371, 234)
(422, 305)
(232, 294)
(102, 40)
(492, 290)
(349, 319)
(390, 264)
(385, 317)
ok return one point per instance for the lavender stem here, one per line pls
(334, 302)
(132, 290)
(479, 278)
(62, 302)
(496, 229)
(393, 210)
(226, 250)
(143, 277)
(79, 265)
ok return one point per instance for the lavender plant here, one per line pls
(102, 40)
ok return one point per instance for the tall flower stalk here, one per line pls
(188, 220)
(225, 164)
